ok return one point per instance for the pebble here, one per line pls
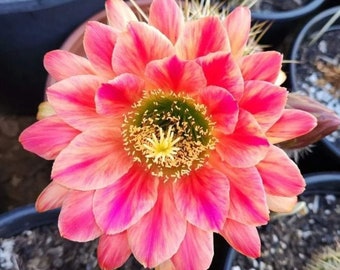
(323, 46)
(6, 251)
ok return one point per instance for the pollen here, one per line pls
(169, 134)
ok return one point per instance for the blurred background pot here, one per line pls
(316, 229)
(283, 11)
(29, 29)
(284, 16)
(315, 66)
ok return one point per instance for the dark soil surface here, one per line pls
(289, 242)
(44, 249)
(275, 5)
(23, 175)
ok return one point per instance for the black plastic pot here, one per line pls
(29, 29)
(313, 26)
(317, 183)
(284, 22)
(25, 218)
(288, 15)
(13, 6)
(320, 159)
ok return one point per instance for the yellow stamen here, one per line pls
(162, 148)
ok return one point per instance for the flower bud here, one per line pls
(327, 120)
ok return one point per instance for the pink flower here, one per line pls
(164, 135)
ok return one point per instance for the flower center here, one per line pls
(162, 147)
(170, 134)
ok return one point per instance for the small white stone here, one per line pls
(302, 256)
(283, 245)
(6, 253)
(330, 198)
(323, 46)
(306, 234)
(313, 78)
(327, 212)
(275, 238)
(255, 264)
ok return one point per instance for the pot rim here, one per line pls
(24, 218)
(17, 6)
(287, 15)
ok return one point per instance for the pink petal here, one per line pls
(93, 160)
(248, 195)
(262, 66)
(248, 203)
(280, 175)
(99, 41)
(175, 75)
(281, 204)
(246, 146)
(113, 250)
(196, 251)
(47, 137)
(119, 14)
(137, 47)
(63, 64)
(116, 97)
(202, 197)
(51, 197)
(293, 123)
(158, 235)
(76, 220)
(244, 238)
(167, 17)
(201, 37)
(73, 100)
(265, 101)
(221, 70)
(237, 24)
(222, 107)
(122, 204)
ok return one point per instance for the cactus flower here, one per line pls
(165, 134)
